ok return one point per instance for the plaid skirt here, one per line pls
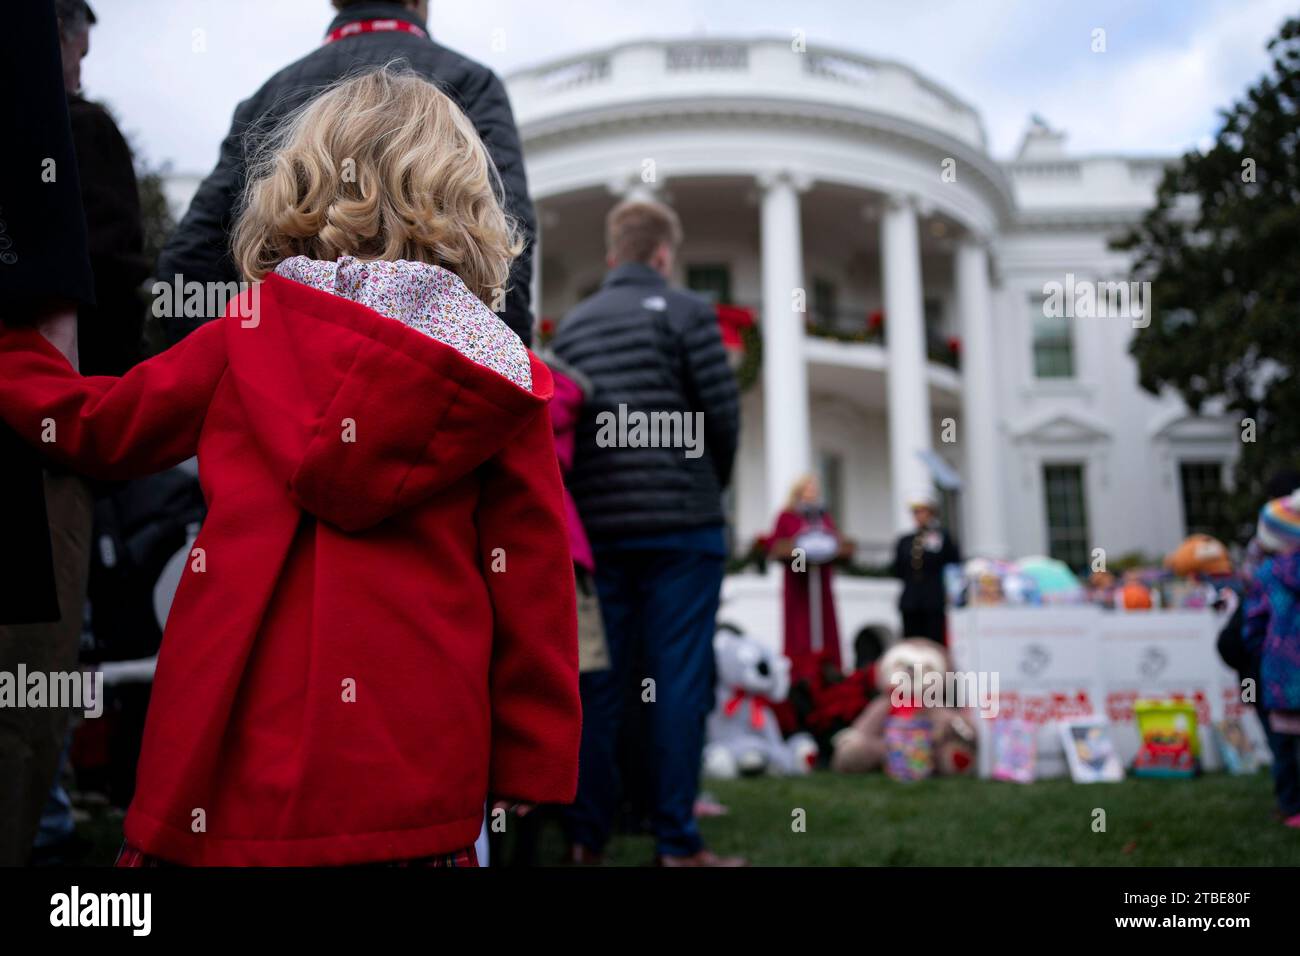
(130, 856)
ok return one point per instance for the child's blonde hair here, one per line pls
(381, 166)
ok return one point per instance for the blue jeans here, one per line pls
(665, 602)
(57, 824)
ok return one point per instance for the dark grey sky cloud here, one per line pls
(173, 70)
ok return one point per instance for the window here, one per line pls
(823, 302)
(1202, 487)
(934, 333)
(711, 281)
(950, 510)
(1067, 514)
(1053, 343)
(937, 347)
(831, 477)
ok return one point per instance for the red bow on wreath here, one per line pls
(757, 712)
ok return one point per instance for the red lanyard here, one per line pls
(374, 26)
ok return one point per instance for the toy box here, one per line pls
(1170, 745)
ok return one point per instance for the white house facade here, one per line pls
(897, 274)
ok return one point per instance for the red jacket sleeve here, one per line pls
(106, 427)
(536, 713)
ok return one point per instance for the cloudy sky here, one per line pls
(1169, 65)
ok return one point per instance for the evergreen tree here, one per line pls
(1221, 248)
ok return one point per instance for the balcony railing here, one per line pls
(842, 325)
(572, 75)
(944, 351)
(681, 57)
(762, 68)
(867, 327)
(846, 325)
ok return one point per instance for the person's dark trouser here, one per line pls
(57, 824)
(931, 624)
(668, 601)
(1286, 768)
(31, 738)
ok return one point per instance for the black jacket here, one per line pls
(649, 348)
(199, 248)
(923, 584)
(109, 333)
(43, 259)
(1232, 647)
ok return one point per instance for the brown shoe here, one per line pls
(701, 858)
(579, 855)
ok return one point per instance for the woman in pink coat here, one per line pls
(571, 389)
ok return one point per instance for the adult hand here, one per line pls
(58, 323)
(1226, 602)
(516, 807)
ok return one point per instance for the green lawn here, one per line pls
(1216, 820)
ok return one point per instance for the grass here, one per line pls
(1216, 820)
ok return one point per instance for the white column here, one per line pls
(909, 392)
(787, 443)
(977, 432)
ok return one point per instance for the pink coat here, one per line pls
(566, 407)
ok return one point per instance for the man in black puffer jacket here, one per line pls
(654, 452)
(369, 33)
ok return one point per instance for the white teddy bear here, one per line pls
(743, 737)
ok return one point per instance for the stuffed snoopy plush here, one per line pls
(742, 733)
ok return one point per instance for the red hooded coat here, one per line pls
(376, 628)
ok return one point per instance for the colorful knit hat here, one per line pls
(1279, 524)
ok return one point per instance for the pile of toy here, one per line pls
(1170, 744)
(1192, 576)
(895, 727)
(1033, 581)
(872, 719)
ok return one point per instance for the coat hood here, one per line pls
(361, 416)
